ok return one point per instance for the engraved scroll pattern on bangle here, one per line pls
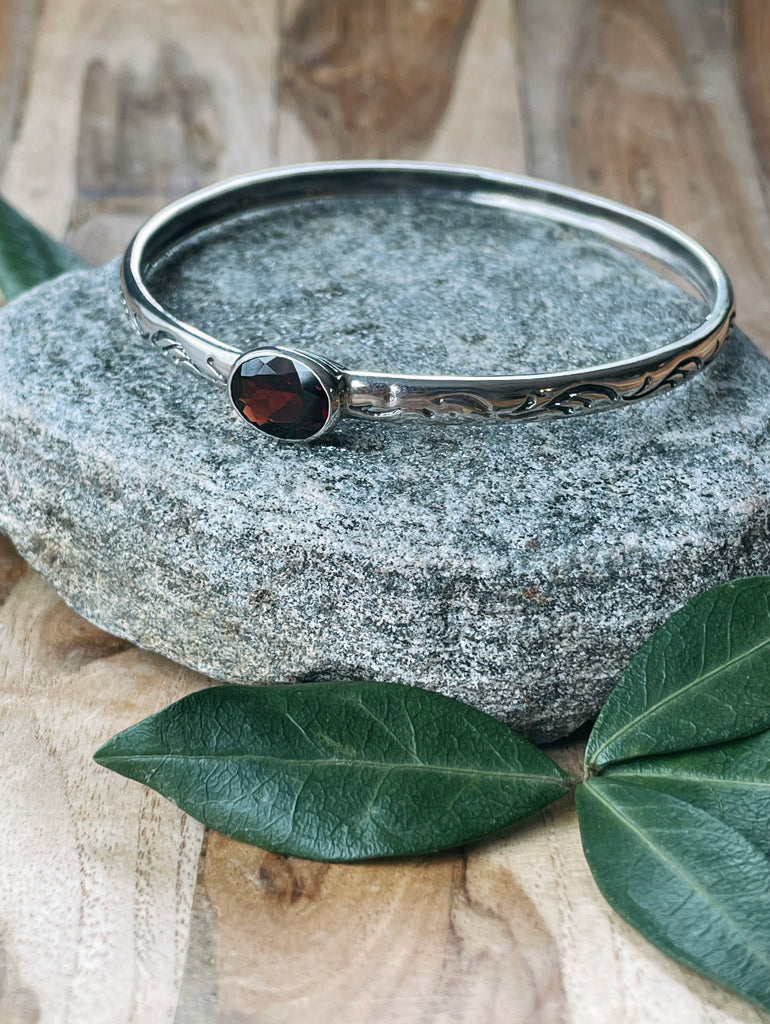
(171, 347)
(454, 405)
(394, 403)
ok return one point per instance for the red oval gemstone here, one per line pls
(280, 396)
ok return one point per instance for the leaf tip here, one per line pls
(105, 754)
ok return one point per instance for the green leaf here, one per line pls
(339, 770)
(693, 886)
(27, 255)
(731, 781)
(702, 678)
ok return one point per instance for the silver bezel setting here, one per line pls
(328, 376)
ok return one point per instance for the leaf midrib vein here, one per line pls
(340, 762)
(711, 780)
(678, 693)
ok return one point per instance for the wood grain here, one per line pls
(113, 907)
(751, 45)
(371, 79)
(98, 877)
(12, 568)
(645, 102)
(129, 105)
(18, 22)
(508, 932)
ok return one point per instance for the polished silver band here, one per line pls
(383, 396)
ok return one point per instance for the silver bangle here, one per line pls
(295, 396)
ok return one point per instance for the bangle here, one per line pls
(297, 396)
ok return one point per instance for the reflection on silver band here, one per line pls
(383, 396)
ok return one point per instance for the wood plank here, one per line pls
(751, 46)
(98, 876)
(12, 568)
(482, 122)
(648, 110)
(371, 79)
(159, 99)
(436, 82)
(509, 932)
(18, 24)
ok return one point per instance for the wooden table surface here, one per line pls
(114, 906)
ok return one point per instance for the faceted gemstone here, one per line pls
(280, 396)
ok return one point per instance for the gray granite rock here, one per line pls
(516, 567)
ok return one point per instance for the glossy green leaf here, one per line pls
(730, 781)
(696, 888)
(339, 770)
(702, 678)
(27, 255)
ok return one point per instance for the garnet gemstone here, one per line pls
(281, 396)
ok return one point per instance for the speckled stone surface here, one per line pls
(516, 566)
